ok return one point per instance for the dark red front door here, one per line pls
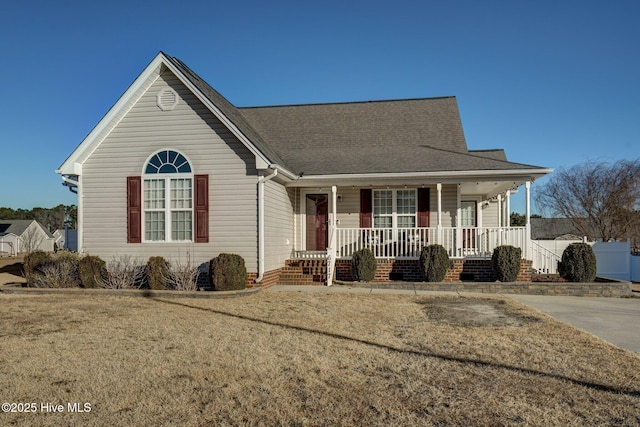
(317, 209)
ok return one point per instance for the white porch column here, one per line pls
(527, 186)
(507, 207)
(439, 188)
(333, 221)
(458, 248)
(500, 211)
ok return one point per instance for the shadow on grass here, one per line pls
(476, 362)
(16, 269)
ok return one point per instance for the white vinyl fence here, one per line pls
(613, 259)
(635, 268)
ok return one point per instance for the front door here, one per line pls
(469, 222)
(317, 210)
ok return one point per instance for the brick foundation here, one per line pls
(408, 270)
(269, 279)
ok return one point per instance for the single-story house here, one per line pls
(174, 169)
(555, 229)
(24, 235)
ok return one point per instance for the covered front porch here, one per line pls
(470, 219)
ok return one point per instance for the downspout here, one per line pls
(70, 183)
(261, 182)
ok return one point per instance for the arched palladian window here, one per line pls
(173, 203)
(168, 198)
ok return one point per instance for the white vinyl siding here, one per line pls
(190, 128)
(278, 222)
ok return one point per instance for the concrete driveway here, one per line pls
(616, 320)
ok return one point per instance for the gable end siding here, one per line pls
(212, 150)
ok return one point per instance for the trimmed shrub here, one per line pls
(92, 271)
(363, 265)
(578, 263)
(31, 262)
(157, 272)
(434, 263)
(227, 272)
(505, 263)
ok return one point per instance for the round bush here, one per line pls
(227, 272)
(157, 272)
(363, 265)
(92, 271)
(505, 263)
(578, 263)
(434, 263)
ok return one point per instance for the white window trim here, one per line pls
(167, 177)
(478, 200)
(394, 208)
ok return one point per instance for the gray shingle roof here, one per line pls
(412, 135)
(552, 228)
(17, 227)
(226, 108)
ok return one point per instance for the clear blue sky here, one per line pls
(554, 83)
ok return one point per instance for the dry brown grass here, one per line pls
(308, 359)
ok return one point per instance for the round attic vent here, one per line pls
(167, 99)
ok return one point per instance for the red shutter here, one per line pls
(366, 211)
(134, 209)
(201, 191)
(423, 207)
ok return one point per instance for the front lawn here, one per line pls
(307, 359)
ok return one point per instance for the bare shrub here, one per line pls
(60, 271)
(124, 272)
(183, 276)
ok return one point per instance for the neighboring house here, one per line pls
(555, 229)
(66, 239)
(24, 235)
(174, 169)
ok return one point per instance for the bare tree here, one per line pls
(31, 239)
(602, 199)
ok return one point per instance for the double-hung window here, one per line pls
(394, 208)
(168, 198)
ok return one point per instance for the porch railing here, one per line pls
(544, 260)
(408, 242)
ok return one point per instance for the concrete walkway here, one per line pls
(614, 320)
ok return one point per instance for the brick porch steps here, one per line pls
(304, 272)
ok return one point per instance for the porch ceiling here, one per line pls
(483, 183)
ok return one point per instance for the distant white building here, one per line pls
(66, 239)
(24, 235)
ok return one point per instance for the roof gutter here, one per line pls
(261, 182)
(439, 176)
